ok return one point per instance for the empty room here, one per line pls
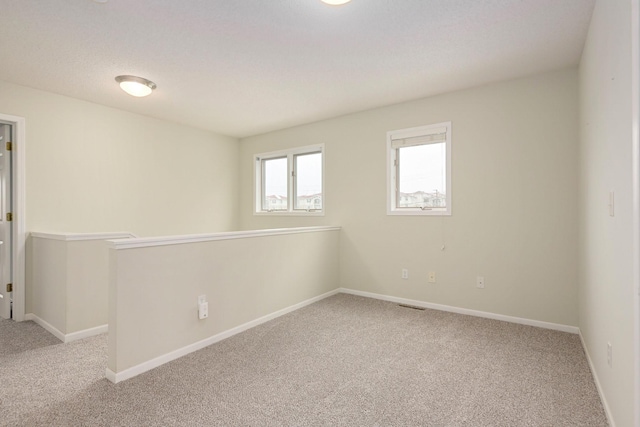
(320, 212)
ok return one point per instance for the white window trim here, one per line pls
(289, 154)
(392, 176)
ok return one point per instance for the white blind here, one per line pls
(437, 136)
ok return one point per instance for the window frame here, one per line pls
(259, 181)
(392, 169)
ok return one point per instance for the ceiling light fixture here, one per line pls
(136, 86)
(336, 2)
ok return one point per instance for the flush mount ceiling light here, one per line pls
(336, 2)
(136, 86)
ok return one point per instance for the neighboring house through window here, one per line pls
(290, 181)
(419, 170)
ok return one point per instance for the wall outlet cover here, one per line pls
(203, 310)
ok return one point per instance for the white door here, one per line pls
(6, 132)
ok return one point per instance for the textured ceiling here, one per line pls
(246, 67)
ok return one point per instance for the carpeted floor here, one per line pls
(344, 361)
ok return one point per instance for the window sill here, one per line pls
(419, 212)
(288, 213)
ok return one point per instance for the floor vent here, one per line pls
(411, 306)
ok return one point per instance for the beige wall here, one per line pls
(91, 168)
(153, 291)
(48, 291)
(69, 281)
(606, 249)
(87, 284)
(515, 174)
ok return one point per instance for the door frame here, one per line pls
(18, 246)
(635, 165)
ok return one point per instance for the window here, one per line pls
(274, 184)
(298, 172)
(419, 170)
(307, 181)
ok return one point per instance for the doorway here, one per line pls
(12, 217)
(6, 274)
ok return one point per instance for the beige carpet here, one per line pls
(344, 361)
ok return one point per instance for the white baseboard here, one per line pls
(86, 333)
(116, 377)
(469, 312)
(594, 373)
(66, 338)
(45, 325)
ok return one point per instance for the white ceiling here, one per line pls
(246, 67)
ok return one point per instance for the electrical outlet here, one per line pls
(432, 277)
(609, 354)
(405, 273)
(480, 282)
(203, 310)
